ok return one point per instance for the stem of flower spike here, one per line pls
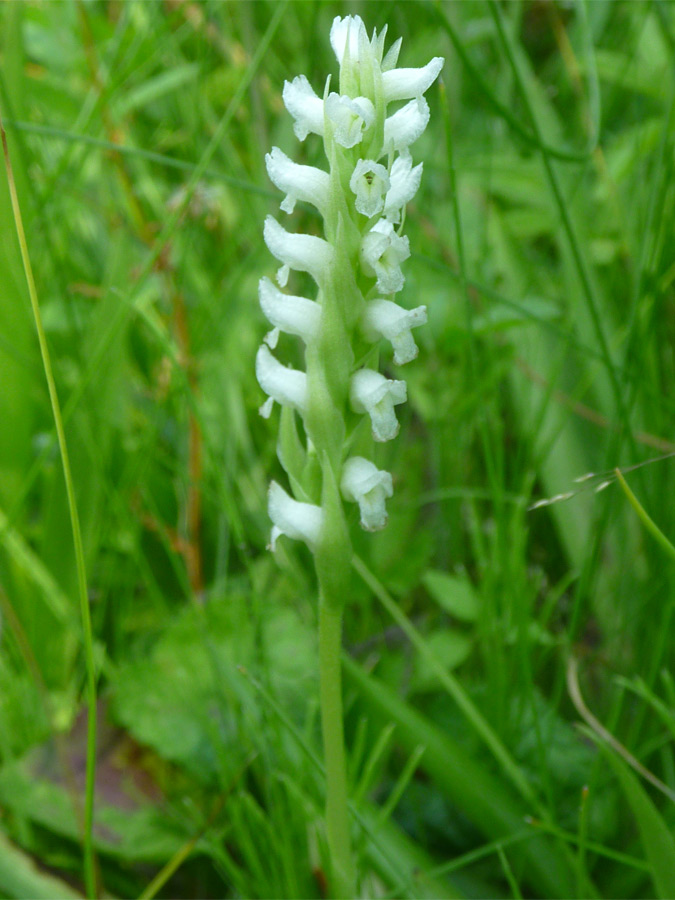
(337, 815)
(332, 559)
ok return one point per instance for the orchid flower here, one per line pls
(388, 320)
(365, 484)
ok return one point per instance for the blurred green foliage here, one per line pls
(543, 248)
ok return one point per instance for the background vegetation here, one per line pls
(479, 626)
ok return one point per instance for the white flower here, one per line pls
(382, 252)
(405, 182)
(370, 182)
(303, 104)
(300, 521)
(365, 484)
(297, 182)
(348, 30)
(406, 125)
(301, 252)
(373, 393)
(350, 117)
(292, 315)
(402, 84)
(392, 322)
(287, 386)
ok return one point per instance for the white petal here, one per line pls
(290, 314)
(350, 117)
(266, 409)
(272, 338)
(405, 182)
(297, 182)
(300, 521)
(363, 483)
(406, 125)
(301, 252)
(393, 322)
(303, 104)
(343, 30)
(391, 58)
(382, 252)
(370, 182)
(373, 393)
(402, 84)
(377, 44)
(286, 386)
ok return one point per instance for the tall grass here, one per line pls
(484, 626)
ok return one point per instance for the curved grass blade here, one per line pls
(88, 846)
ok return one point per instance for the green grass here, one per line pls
(543, 247)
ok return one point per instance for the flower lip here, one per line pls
(370, 182)
(301, 101)
(405, 182)
(406, 125)
(302, 252)
(287, 386)
(300, 521)
(363, 483)
(297, 182)
(288, 313)
(404, 84)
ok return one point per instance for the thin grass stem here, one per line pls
(88, 641)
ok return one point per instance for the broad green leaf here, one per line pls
(454, 594)
(20, 877)
(450, 647)
(657, 838)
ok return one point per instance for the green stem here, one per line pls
(88, 849)
(337, 816)
(644, 516)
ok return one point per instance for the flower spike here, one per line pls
(357, 266)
